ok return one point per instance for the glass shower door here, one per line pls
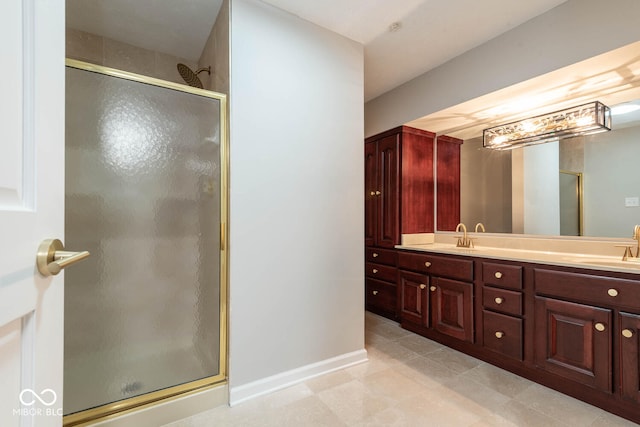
(143, 195)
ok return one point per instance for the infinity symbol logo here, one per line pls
(37, 396)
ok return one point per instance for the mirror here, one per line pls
(519, 191)
(582, 186)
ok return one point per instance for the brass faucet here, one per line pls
(628, 249)
(480, 225)
(464, 241)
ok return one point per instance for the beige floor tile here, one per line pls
(430, 409)
(426, 372)
(375, 364)
(454, 360)
(610, 420)
(391, 331)
(497, 379)
(390, 352)
(371, 338)
(418, 344)
(473, 393)
(392, 384)
(559, 406)
(353, 402)
(330, 380)
(310, 411)
(515, 414)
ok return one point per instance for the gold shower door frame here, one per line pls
(149, 399)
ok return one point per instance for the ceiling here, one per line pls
(427, 33)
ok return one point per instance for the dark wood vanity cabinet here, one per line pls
(574, 341)
(629, 349)
(574, 330)
(399, 188)
(502, 309)
(380, 281)
(399, 185)
(436, 294)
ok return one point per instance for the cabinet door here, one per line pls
(414, 297)
(629, 349)
(452, 308)
(574, 341)
(388, 200)
(370, 197)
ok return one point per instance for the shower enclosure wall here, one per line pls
(146, 195)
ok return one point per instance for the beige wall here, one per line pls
(216, 53)
(114, 54)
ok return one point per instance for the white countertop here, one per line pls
(568, 259)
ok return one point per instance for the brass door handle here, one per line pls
(52, 257)
(432, 288)
(375, 255)
(375, 271)
(422, 286)
(427, 264)
(378, 193)
(627, 333)
(498, 275)
(498, 300)
(499, 334)
(375, 292)
(600, 327)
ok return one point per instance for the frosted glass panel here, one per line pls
(143, 196)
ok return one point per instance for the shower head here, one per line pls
(191, 77)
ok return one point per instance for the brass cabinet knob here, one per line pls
(422, 286)
(612, 292)
(373, 193)
(427, 264)
(377, 193)
(432, 288)
(498, 300)
(375, 255)
(498, 275)
(499, 334)
(627, 333)
(374, 271)
(600, 327)
(375, 292)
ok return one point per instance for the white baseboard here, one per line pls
(285, 379)
(173, 410)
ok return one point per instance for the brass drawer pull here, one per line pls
(498, 300)
(373, 193)
(612, 292)
(427, 264)
(375, 292)
(433, 288)
(375, 271)
(600, 327)
(375, 255)
(498, 275)
(499, 334)
(377, 193)
(627, 333)
(422, 286)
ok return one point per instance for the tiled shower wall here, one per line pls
(104, 51)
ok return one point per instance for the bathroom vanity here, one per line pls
(558, 319)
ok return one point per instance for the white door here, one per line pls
(31, 210)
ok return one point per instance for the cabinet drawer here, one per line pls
(454, 268)
(509, 302)
(507, 276)
(503, 334)
(607, 291)
(380, 256)
(380, 295)
(379, 271)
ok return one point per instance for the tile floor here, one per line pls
(410, 381)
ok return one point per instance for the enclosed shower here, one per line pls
(146, 195)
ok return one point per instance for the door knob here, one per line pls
(52, 257)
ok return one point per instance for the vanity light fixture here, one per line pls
(583, 119)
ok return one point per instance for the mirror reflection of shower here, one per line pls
(190, 76)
